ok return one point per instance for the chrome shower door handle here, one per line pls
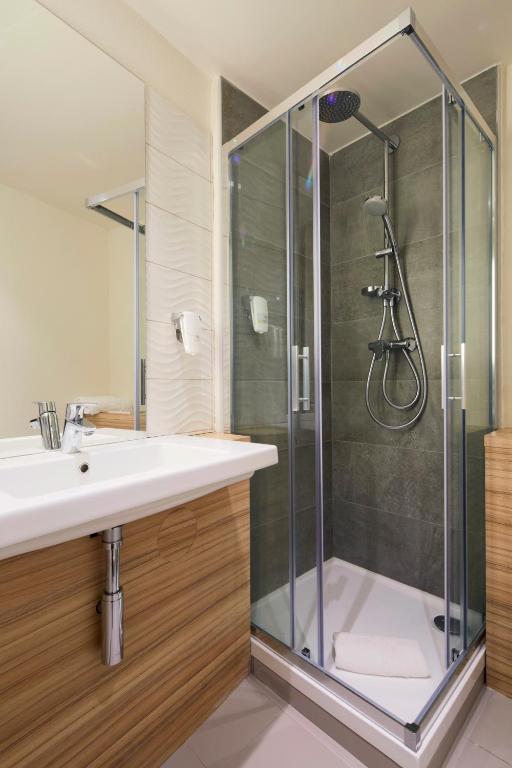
(444, 394)
(443, 379)
(295, 378)
(463, 376)
(306, 398)
(297, 399)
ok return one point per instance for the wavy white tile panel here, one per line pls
(226, 383)
(177, 243)
(175, 134)
(166, 356)
(170, 291)
(179, 406)
(177, 189)
(226, 255)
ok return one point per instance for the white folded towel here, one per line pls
(379, 655)
(104, 403)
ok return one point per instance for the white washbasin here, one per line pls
(47, 498)
(19, 446)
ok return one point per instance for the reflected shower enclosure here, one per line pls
(361, 230)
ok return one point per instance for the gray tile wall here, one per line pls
(239, 111)
(388, 486)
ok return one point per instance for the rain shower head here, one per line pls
(376, 206)
(337, 106)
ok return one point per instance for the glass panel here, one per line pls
(303, 384)
(259, 366)
(479, 405)
(383, 488)
(454, 415)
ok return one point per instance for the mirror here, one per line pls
(72, 152)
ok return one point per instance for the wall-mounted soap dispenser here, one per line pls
(259, 314)
(189, 328)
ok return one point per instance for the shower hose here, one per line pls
(421, 386)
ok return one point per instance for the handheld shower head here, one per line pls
(337, 106)
(376, 206)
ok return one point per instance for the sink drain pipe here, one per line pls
(112, 601)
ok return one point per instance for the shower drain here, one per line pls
(440, 624)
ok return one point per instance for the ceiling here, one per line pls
(270, 49)
(72, 118)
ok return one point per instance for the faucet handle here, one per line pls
(76, 411)
(45, 406)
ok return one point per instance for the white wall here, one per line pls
(53, 307)
(119, 271)
(124, 35)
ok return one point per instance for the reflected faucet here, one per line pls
(75, 427)
(48, 423)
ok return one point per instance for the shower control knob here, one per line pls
(378, 348)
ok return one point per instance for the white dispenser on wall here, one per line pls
(189, 328)
(259, 314)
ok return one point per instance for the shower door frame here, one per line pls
(410, 734)
(97, 203)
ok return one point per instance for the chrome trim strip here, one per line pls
(290, 310)
(125, 189)
(136, 309)
(318, 394)
(494, 247)
(463, 576)
(445, 392)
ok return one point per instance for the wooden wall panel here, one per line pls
(116, 420)
(185, 573)
(498, 483)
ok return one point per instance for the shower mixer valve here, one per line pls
(380, 346)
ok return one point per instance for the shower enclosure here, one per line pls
(362, 344)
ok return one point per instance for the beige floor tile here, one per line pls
(469, 755)
(283, 744)
(183, 758)
(492, 729)
(247, 712)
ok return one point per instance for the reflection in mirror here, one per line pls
(72, 232)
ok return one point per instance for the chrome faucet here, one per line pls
(75, 426)
(48, 424)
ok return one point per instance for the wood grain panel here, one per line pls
(116, 420)
(498, 511)
(185, 573)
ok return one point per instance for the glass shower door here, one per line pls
(452, 379)
(260, 383)
(479, 345)
(274, 280)
(303, 180)
(468, 364)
